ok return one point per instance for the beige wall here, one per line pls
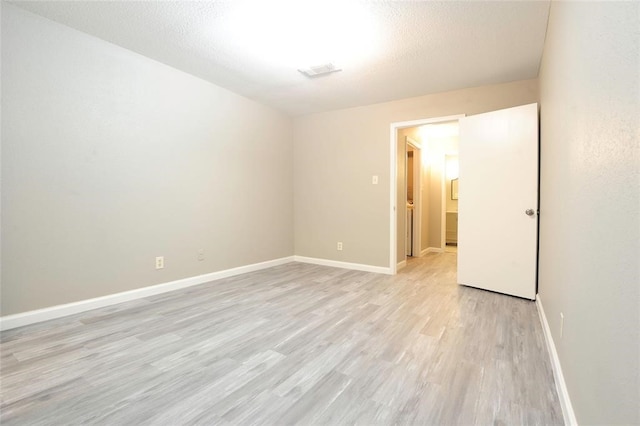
(337, 152)
(434, 172)
(424, 226)
(110, 159)
(590, 204)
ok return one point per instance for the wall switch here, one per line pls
(201, 254)
(339, 245)
(561, 324)
(374, 180)
(159, 262)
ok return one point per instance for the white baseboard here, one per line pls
(58, 311)
(433, 250)
(345, 265)
(401, 265)
(561, 386)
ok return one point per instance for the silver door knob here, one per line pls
(529, 212)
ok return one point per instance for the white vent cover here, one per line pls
(318, 70)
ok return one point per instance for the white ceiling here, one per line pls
(402, 49)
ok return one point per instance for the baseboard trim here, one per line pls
(345, 265)
(31, 317)
(561, 386)
(433, 250)
(401, 265)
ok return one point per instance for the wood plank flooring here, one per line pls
(294, 344)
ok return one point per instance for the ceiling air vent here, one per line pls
(318, 70)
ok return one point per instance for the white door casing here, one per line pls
(417, 196)
(498, 183)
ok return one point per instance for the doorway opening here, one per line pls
(418, 198)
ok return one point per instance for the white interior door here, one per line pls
(498, 201)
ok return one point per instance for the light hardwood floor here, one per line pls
(296, 343)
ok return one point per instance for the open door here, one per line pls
(498, 201)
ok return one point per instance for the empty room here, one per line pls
(313, 212)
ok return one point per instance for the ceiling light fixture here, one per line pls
(318, 70)
(300, 34)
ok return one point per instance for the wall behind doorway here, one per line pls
(437, 148)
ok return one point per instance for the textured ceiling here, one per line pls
(404, 49)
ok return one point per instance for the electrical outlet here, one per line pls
(159, 262)
(339, 245)
(201, 255)
(561, 324)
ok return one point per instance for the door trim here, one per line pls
(416, 247)
(393, 178)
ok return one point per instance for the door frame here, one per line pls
(416, 230)
(393, 186)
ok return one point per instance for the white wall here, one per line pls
(590, 204)
(335, 200)
(110, 159)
